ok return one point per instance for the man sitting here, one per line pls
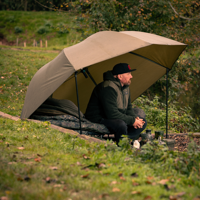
(110, 104)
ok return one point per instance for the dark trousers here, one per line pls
(118, 127)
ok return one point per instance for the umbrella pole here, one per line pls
(78, 102)
(167, 93)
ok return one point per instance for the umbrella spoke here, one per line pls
(147, 59)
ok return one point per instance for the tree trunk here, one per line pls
(25, 5)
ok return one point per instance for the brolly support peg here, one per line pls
(167, 93)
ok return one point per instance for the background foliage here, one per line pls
(72, 21)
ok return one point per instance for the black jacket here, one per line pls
(109, 100)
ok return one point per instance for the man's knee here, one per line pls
(121, 125)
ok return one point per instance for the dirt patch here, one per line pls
(182, 141)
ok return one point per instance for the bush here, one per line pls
(145, 15)
(48, 24)
(18, 29)
(10, 19)
(62, 28)
(43, 30)
(179, 120)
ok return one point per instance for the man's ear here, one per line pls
(119, 76)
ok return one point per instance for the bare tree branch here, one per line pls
(180, 15)
(44, 5)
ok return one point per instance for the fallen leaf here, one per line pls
(116, 190)
(78, 163)
(39, 155)
(37, 159)
(136, 192)
(101, 165)
(120, 174)
(21, 148)
(148, 197)
(19, 178)
(134, 183)
(26, 137)
(122, 178)
(173, 197)
(10, 163)
(103, 196)
(163, 181)
(65, 188)
(148, 182)
(3, 198)
(54, 168)
(113, 182)
(150, 178)
(127, 159)
(85, 176)
(49, 180)
(172, 187)
(180, 194)
(176, 196)
(85, 157)
(57, 185)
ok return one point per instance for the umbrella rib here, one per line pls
(148, 59)
(87, 71)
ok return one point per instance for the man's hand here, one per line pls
(138, 123)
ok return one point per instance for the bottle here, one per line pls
(149, 136)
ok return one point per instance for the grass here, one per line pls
(59, 29)
(38, 162)
(17, 69)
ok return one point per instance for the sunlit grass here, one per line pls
(37, 162)
(17, 70)
(30, 22)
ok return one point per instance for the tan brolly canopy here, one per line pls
(148, 53)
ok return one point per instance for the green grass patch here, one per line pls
(59, 29)
(17, 69)
(38, 162)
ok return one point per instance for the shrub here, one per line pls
(62, 28)
(18, 29)
(48, 24)
(43, 30)
(179, 120)
(10, 19)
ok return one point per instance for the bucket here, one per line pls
(170, 143)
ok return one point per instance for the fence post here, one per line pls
(40, 43)
(34, 42)
(46, 43)
(24, 43)
(17, 41)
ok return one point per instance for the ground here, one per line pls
(182, 141)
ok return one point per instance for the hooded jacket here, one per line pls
(109, 100)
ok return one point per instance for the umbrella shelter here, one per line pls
(152, 55)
